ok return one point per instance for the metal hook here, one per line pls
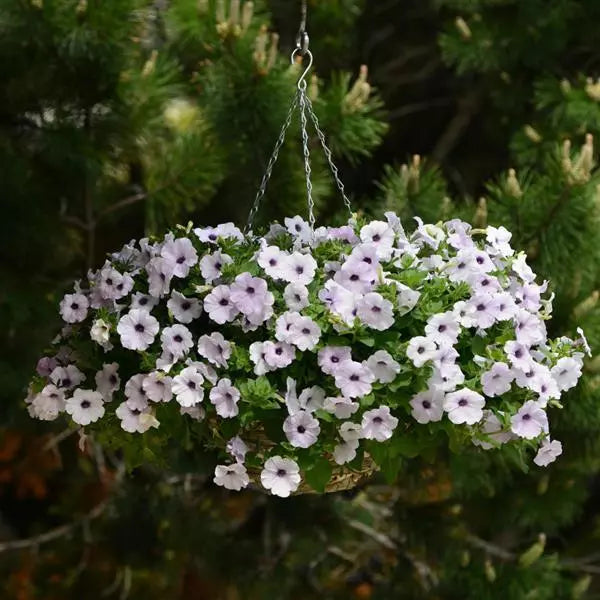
(298, 52)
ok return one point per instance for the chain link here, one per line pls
(306, 151)
(269, 170)
(327, 151)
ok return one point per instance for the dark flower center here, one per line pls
(354, 277)
(298, 228)
(279, 351)
(377, 420)
(223, 302)
(463, 402)
(518, 353)
(139, 327)
(272, 262)
(66, 382)
(250, 290)
(426, 404)
(442, 328)
(143, 301)
(301, 429)
(212, 236)
(113, 379)
(281, 473)
(335, 359)
(218, 266)
(376, 237)
(191, 385)
(376, 309)
(480, 260)
(526, 417)
(178, 339)
(109, 281)
(86, 404)
(74, 306)
(299, 270)
(306, 331)
(420, 350)
(481, 307)
(186, 305)
(368, 260)
(354, 377)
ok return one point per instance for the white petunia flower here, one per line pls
(383, 366)
(296, 296)
(187, 387)
(237, 448)
(428, 406)
(180, 255)
(281, 476)
(350, 431)
(375, 311)
(278, 354)
(135, 392)
(378, 424)
(530, 421)
(518, 355)
(420, 350)
(215, 348)
(301, 429)
(232, 477)
(299, 228)
(74, 308)
(85, 406)
(177, 340)
(258, 357)
(184, 309)
(108, 380)
(464, 406)
(135, 420)
(100, 333)
(225, 398)
(160, 273)
(137, 329)
(407, 298)
(548, 452)
(272, 260)
(381, 235)
(157, 386)
(492, 428)
(498, 239)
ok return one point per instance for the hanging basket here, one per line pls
(308, 356)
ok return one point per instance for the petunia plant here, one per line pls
(308, 358)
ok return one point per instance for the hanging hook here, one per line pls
(302, 37)
(297, 52)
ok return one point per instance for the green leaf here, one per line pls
(319, 475)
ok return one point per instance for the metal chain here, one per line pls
(327, 151)
(306, 151)
(267, 175)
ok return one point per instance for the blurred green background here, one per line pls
(121, 118)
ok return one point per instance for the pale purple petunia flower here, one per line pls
(376, 312)
(248, 293)
(232, 477)
(135, 420)
(160, 273)
(299, 228)
(215, 348)
(498, 239)
(447, 378)
(225, 398)
(518, 355)
(219, 306)
(176, 340)
(350, 431)
(49, 403)
(135, 392)
(356, 276)
(74, 308)
(157, 387)
(497, 380)
(304, 333)
(258, 357)
(378, 424)
(67, 377)
(381, 235)
(566, 373)
(298, 268)
(278, 354)
(281, 476)
(180, 254)
(296, 296)
(301, 429)
(85, 406)
(137, 329)
(530, 421)
(272, 260)
(529, 329)
(108, 380)
(548, 453)
(211, 265)
(464, 406)
(428, 406)
(421, 350)
(383, 366)
(482, 310)
(341, 407)
(522, 269)
(237, 448)
(46, 365)
(187, 387)
(354, 379)
(494, 430)
(345, 451)
(443, 328)
(184, 309)
(211, 235)
(366, 253)
(143, 301)
(331, 357)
